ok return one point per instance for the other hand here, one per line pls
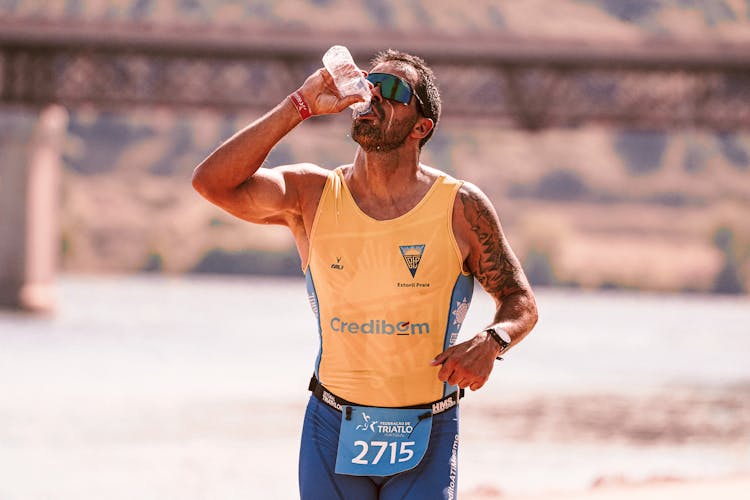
(469, 363)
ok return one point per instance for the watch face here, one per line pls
(503, 335)
(500, 335)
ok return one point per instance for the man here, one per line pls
(389, 247)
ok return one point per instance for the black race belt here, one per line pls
(335, 402)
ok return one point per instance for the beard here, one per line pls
(375, 136)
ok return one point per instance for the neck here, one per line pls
(385, 174)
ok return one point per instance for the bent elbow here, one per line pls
(532, 311)
(196, 180)
(199, 183)
(534, 315)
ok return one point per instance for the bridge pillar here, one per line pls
(30, 164)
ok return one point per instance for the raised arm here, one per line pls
(492, 261)
(232, 178)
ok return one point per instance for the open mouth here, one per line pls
(370, 112)
(367, 112)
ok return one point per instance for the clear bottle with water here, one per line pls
(347, 76)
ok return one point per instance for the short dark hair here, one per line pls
(426, 87)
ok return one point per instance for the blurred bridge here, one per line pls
(509, 82)
(513, 82)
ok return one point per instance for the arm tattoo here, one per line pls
(495, 266)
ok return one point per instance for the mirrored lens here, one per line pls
(391, 87)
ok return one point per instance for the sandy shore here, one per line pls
(155, 401)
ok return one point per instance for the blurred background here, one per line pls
(164, 347)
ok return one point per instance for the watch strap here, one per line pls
(503, 344)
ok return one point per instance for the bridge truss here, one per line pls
(512, 82)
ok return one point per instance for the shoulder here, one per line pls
(473, 217)
(434, 173)
(475, 221)
(471, 191)
(472, 204)
(466, 189)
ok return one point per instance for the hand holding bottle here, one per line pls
(321, 96)
(332, 89)
(349, 79)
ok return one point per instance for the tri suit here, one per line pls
(388, 295)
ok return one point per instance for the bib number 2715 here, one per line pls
(373, 452)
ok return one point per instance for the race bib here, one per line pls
(382, 441)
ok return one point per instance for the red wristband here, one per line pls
(299, 102)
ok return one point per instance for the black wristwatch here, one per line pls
(501, 337)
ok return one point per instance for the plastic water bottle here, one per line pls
(347, 76)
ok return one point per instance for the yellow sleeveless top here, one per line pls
(389, 295)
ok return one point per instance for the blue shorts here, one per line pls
(436, 476)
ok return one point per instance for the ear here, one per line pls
(422, 128)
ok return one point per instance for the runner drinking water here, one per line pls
(390, 248)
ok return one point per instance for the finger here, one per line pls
(445, 372)
(463, 383)
(476, 386)
(329, 83)
(454, 378)
(440, 358)
(349, 100)
(327, 78)
(369, 83)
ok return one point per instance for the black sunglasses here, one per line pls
(394, 88)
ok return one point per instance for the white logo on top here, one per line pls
(367, 423)
(459, 313)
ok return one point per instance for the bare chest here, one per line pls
(387, 209)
